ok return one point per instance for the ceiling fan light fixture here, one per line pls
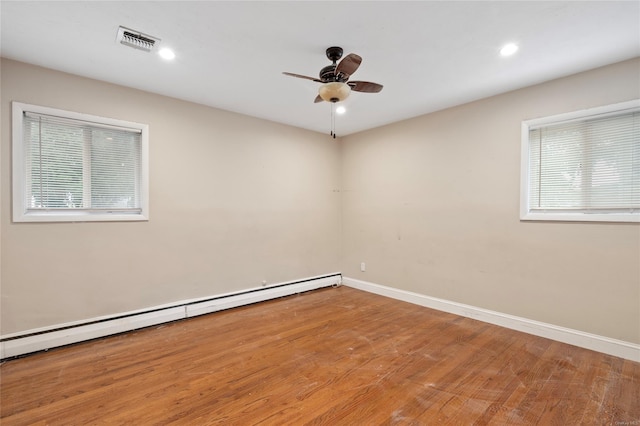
(334, 91)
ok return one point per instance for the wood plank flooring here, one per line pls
(336, 356)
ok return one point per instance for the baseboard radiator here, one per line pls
(26, 342)
(17, 344)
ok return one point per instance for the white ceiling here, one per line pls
(429, 55)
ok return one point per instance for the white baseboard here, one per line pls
(619, 348)
(17, 344)
(40, 339)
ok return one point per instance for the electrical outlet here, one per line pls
(363, 267)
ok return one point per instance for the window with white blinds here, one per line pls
(75, 167)
(583, 166)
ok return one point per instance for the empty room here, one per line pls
(320, 212)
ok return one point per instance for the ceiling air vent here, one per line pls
(136, 39)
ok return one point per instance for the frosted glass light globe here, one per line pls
(334, 92)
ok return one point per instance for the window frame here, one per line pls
(19, 188)
(526, 213)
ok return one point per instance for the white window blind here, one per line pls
(80, 164)
(586, 166)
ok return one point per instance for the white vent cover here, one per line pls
(136, 39)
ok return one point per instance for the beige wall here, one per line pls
(234, 201)
(431, 205)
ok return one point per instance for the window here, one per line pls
(76, 167)
(582, 166)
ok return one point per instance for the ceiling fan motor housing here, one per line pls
(328, 73)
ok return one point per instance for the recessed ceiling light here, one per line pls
(166, 53)
(341, 110)
(509, 49)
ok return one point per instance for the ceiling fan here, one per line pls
(336, 86)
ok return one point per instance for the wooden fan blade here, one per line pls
(365, 86)
(302, 76)
(348, 65)
(318, 99)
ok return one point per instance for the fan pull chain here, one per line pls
(333, 120)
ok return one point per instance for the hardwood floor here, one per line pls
(336, 356)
